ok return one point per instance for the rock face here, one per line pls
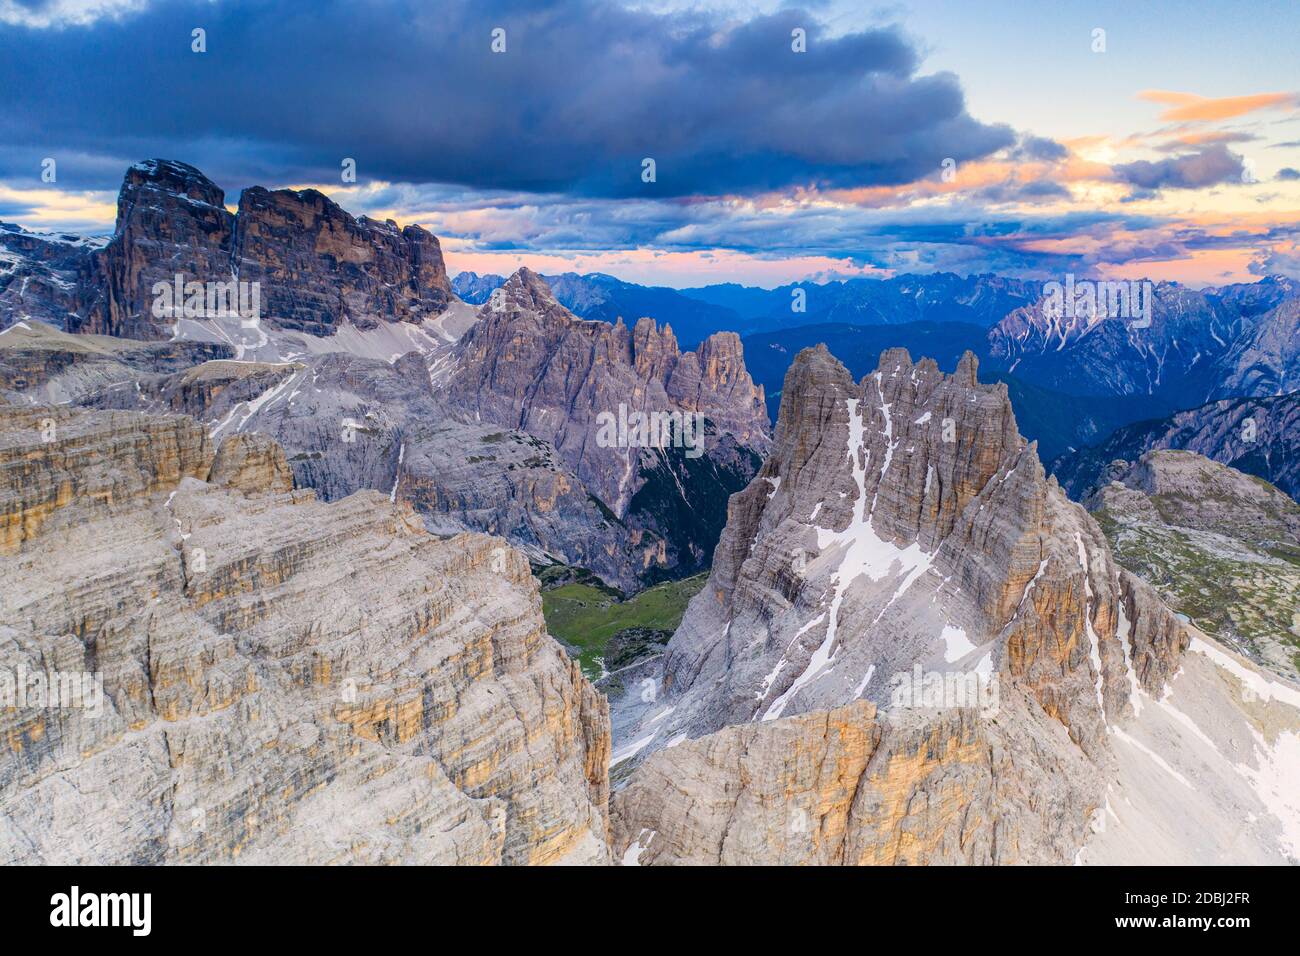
(318, 267)
(39, 363)
(171, 219)
(1258, 436)
(39, 274)
(529, 363)
(284, 680)
(1221, 547)
(349, 423)
(901, 536)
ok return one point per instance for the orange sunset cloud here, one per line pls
(1189, 106)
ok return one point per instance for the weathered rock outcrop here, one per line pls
(317, 266)
(348, 423)
(320, 267)
(580, 385)
(283, 679)
(901, 546)
(39, 363)
(845, 787)
(1221, 547)
(171, 219)
(531, 363)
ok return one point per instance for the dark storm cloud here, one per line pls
(1288, 173)
(413, 92)
(1208, 167)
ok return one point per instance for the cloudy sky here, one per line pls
(1125, 139)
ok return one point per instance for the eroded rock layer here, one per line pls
(283, 679)
(901, 546)
(317, 266)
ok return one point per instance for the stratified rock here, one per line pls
(251, 463)
(283, 680)
(902, 534)
(320, 267)
(844, 787)
(41, 365)
(529, 363)
(103, 463)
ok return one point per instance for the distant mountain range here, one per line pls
(1074, 376)
(695, 313)
(1199, 345)
(980, 300)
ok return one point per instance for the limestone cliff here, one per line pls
(900, 548)
(529, 363)
(317, 266)
(283, 679)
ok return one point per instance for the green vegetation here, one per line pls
(582, 611)
(1239, 596)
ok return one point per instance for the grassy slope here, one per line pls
(1250, 602)
(586, 615)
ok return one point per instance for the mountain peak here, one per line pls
(171, 176)
(527, 290)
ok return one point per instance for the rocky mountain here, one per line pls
(913, 648)
(474, 288)
(1222, 547)
(339, 301)
(1265, 361)
(348, 422)
(583, 386)
(1057, 421)
(39, 274)
(1259, 436)
(604, 298)
(318, 268)
(1192, 346)
(203, 664)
